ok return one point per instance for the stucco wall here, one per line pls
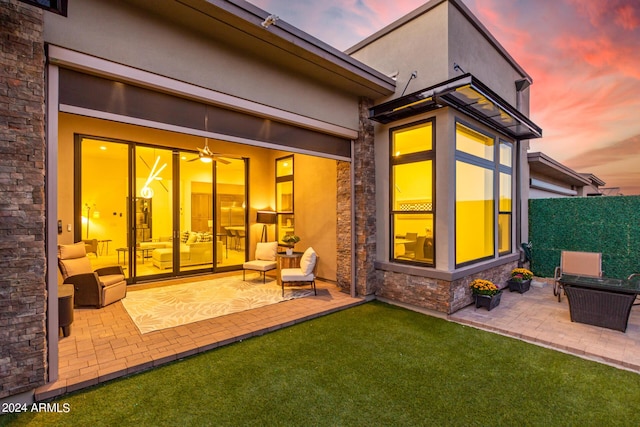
(315, 209)
(419, 45)
(127, 35)
(473, 52)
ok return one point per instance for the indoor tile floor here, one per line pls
(105, 344)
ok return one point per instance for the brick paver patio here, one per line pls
(537, 317)
(105, 344)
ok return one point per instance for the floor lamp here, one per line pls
(265, 218)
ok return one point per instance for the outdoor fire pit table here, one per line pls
(600, 301)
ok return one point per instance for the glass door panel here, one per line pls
(231, 215)
(152, 207)
(196, 246)
(103, 201)
(284, 198)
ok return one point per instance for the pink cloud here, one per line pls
(582, 55)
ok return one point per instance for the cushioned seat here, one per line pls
(265, 259)
(305, 273)
(98, 288)
(192, 252)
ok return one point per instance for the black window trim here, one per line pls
(405, 159)
(483, 163)
(55, 6)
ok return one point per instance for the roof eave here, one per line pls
(284, 36)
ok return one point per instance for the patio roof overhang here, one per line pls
(466, 94)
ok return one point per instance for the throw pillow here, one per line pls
(266, 251)
(184, 237)
(308, 261)
(193, 236)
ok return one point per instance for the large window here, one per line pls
(483, 187)
(505, 205)
(284, 197)
(412, 201)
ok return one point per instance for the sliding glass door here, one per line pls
(152, 212)
(195, 221)
(159, 211)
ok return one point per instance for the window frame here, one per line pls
(413, 157)
(282, 214)
(496, 168)
(55, 6)
(508, 170)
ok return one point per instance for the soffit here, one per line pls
(237, 24)
(466, 94)
(542, 165)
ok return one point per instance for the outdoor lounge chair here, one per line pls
(306, 273)
(97, 288)
(579, 264)
(265, 259)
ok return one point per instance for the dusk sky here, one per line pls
(583, 56)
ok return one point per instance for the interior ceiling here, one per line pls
(258, 42)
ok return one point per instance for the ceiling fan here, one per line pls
(207, 156)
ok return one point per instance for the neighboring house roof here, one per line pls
(550, 175)
(239, 24)
(544, 165)
(426, 8)
(594, 180)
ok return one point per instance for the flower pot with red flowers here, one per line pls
(520, 280)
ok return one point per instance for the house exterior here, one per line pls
(551, 179)
(407, 172)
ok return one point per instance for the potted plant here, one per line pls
(485, 293)
(290, 240)
(520, 280)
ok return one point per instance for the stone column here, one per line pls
(365, 202)
(343, 226)
(22, 205)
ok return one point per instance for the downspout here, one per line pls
(521, 85)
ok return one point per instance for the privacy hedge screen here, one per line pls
(610, 225)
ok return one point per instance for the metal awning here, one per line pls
(466, 94)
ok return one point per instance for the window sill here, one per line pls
(449, 276)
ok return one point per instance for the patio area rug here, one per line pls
(175, 305)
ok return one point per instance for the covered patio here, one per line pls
(105, 344)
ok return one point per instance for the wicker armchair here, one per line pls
(92, 288)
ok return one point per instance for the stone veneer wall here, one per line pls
(364, 201)
(343, 228)
(439, 295)
(22, 162)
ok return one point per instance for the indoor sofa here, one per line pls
(193, 251)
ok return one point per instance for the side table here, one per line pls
(65, 308)
(287, 261)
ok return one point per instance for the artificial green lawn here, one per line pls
(374, 364)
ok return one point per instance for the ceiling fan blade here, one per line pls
(221, 160)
